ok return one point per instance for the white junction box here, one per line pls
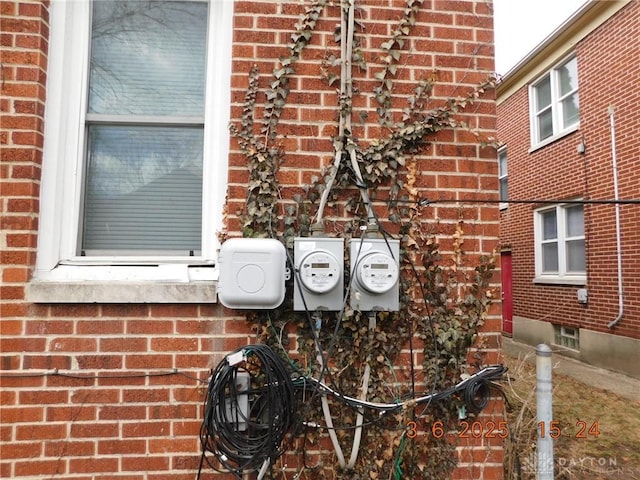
(319, 273)
(375, 274)
(237, 403)
(252, 273)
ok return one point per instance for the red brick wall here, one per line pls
(80, 394)
(608, 65)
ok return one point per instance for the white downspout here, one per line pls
(614, 160)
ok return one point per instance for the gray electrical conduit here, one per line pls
(363, 396)
(346, 88)
(329, 421)
(346, 39)
(616, 194)
(346, 54)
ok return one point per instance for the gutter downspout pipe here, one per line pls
(614, 161)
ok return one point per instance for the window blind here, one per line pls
(145, 124)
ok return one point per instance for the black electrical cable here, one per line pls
(251, 407)
(475, 390)
(476, 396)
(423, 292)
(426, 202)
(246, 426)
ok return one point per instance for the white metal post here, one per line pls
(544, 401)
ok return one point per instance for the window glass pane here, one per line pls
(576, 256)
(143, 189)
(545, 124)
(575, 221)
(502, 164)
(148, 57)
(543, 94)
(550, 257)
(549, 225)
(568, 77)
(504, 191)
(570, 113)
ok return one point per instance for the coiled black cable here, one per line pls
(249, 410)
(476, 395)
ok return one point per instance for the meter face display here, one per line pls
(379, 266)
(320, 271)
(377, 272)
(320, 265)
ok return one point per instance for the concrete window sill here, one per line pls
(121, 292)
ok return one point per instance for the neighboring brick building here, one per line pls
(108, 339)
(567, 113)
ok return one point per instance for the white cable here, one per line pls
(345, 53)
(327, 415)
(329, 421)
(363, 396)
(364, 191)
(263, 469)
(329, 186)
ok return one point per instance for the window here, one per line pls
(560, 244)
(554, 103)
(144, 129)
(135, 155)
(503, 177)
(566, 336)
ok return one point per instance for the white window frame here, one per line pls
(60, 198)
(503, 176)
(556, 107)
(562, 276)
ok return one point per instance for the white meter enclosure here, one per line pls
(252, 273)
(375, 274)
(319, 275)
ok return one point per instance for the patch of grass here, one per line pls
(599, 432)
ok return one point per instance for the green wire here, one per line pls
(397, 466)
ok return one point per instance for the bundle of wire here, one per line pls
(475, 390)
(245, 428)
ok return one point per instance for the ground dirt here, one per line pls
(598, 432)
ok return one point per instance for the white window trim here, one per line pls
(562, 277)
(555, 110)
(57, 259)
(501, 175)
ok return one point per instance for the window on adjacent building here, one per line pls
(560, 244)
(136, 139)
(554, 103)
(503, 177)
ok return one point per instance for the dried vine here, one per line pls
(443, 303)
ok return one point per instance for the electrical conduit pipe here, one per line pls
(614, 160)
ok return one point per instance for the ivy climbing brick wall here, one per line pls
(115, 391)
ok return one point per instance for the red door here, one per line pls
(507, 295)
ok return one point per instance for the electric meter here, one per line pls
(319, 276)
(320, 271)
(375, 274)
